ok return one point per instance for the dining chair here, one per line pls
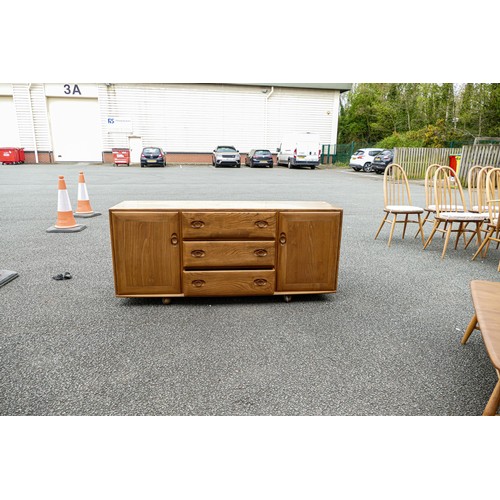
(493, 201)
(476, 187)
(397, 201)
(430, 207)
(451, 208)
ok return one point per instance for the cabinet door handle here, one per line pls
(174, 240)
(261, 224)
(198, 253)
(282, 238)
(260, 282)
(260, 252)
(197, 224)
(198, 283)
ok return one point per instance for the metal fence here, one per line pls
(340, 153)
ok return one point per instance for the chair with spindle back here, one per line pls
(397, 201)
(430, 206)
(450, 208)
(493, 202)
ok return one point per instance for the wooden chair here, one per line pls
(397, 201)
(493, 202)
(430, 206)
(450, 208)
(476, 187)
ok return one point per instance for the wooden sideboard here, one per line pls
(224, 248)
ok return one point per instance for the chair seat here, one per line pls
(404, 209)
(475, 208)
(462, 216)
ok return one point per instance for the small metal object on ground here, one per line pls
(6, 276)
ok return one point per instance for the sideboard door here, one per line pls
(308, 251)
(146, 253)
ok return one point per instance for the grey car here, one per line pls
(226, 156)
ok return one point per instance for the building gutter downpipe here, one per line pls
(32, 123)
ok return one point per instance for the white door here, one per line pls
(76, 129)
(135, 146)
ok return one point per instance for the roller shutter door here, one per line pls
(9, 134)
(75, 128)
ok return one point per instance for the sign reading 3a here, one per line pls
(72, 89)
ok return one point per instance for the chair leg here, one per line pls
(485, 241)
(459, 233)
(434, 228)
(404, 227)
(472, 326)
(493, 403)
(448, 234)
(381, 224)
(421, 228)
(392, 229)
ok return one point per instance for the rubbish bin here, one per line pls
(455, 163)
(121, 156)
(11, 156)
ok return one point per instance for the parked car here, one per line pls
(386, 157)
(226, 155)
(362, 159)
(260, 157)
(153, 156)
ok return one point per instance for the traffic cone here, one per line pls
(65, 222)
(83, 208)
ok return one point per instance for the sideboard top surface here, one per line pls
(223, 205)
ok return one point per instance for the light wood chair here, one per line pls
(493, 201)
(451, 208)
(430, 206)
(397, 201)
(476, 187)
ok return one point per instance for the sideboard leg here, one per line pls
(166, 300)
(288, 298)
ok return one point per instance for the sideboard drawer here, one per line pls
(209, 225)
(229, 253)
(228, 283)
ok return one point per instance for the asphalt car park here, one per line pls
(380, 346)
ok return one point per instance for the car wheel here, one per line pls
(289, 163)
(312, 167)
(379, 172)
(367, 167)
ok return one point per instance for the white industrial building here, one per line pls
(83, 122)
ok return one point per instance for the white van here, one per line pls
(300, 150)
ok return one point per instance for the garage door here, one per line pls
(75, 128)
(9, 135)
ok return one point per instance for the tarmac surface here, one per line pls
(387, 343)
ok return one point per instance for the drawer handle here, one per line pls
(198, 253)
(197, 224)
(174, 240)
(198, 283)
(282, 238)
(260, 252)
(260, 282)
(261, 224)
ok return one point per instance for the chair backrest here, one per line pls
(396, 187)
(493, 195)
(448, 192)
(482, 204)
(472, 188)
(429, 184)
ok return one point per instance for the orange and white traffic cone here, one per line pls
(65, 222)
(83, 208)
